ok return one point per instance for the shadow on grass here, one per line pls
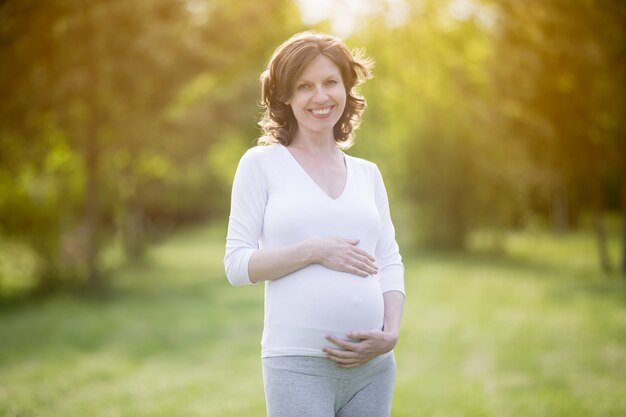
(145, 311)
(566, 279)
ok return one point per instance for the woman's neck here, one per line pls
(315, 143)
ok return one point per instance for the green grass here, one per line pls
(538, 332)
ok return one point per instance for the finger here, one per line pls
(344, 354)
(344, 362)
(365, 260)
(353, 242)
(367, 266)
(359, 362)
(365, 254)
(346, 345)
(356, 271)
(364, 264)
(363, 268)
(361, 335)
(369, 262)
(350, 366)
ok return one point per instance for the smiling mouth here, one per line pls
(321, 112)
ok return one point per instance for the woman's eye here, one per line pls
(303, 87)
(332, 82)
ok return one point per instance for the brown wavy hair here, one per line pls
(278, 122)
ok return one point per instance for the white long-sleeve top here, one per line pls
(275, 203)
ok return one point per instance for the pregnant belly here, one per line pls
(305, 306)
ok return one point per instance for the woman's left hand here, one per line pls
(367, 346)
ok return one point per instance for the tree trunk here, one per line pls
(603, 252)
(559, 212)
(594, 185)
(133, 231)
(92, 208)
(624, 219)
(91, 148)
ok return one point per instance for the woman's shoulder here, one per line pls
(363, 164)
(367, 170)
(259, 153)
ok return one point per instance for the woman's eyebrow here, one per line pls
(328, 77)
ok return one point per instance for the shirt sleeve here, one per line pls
(248, 200)
(390, 266)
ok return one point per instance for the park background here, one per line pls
(500, 129)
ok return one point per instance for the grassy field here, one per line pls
(535, 333)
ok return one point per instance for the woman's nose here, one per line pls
(320, 94)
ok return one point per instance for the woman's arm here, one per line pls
(394, 304)
(248, 201)
(334, 253)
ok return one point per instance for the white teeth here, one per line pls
(321, 111)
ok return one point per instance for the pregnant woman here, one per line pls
(314, 224)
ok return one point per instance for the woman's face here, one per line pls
(319, 96)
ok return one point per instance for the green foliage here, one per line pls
(39, 200)
(432, 110)
(554, 66)
(527, 334)
(121, 121)
(487, 113)
(109, 115)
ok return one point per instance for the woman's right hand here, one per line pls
(345, 256)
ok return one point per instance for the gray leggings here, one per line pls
(308, 386)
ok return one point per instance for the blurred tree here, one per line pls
(560, 71)
(431, 105)
(498, 109)
(110, 110)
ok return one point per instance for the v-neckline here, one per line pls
(312, 181)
